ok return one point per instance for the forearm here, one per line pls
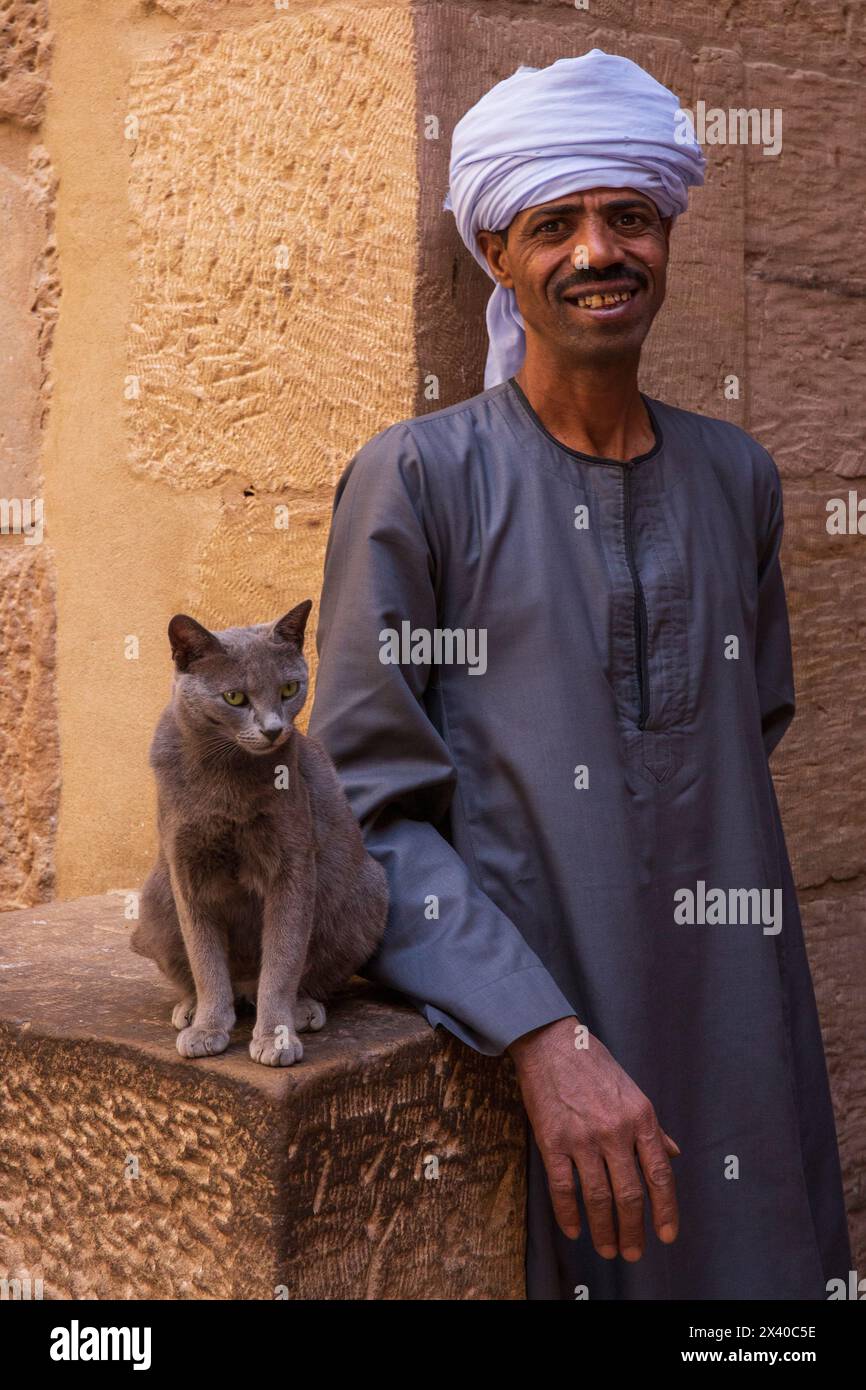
(451, 950)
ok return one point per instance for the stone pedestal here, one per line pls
(388, 1164)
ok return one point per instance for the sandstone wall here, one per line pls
(29, 753)
(257, 275)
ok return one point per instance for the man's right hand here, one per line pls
(587, 1113)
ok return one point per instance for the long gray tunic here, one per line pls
(540, 819)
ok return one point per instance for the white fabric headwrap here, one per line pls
(597, 121)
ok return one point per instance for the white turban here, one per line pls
(597, 121)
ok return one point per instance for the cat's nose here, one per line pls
(272, 732)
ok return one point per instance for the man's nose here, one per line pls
(596, 246)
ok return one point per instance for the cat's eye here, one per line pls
(234, 697)
(289, 689)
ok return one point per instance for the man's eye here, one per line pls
(635, 218)
(553, 222)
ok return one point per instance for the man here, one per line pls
(575, 812)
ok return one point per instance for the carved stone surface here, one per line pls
(272, 315)
(29, 296)
(25, 51)
(835, 928)
(29, 753)
(388, 1164)
(820, 766)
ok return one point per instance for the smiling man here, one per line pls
(541, 822)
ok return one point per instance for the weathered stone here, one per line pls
(835, 930)
(274, 190)
(794, 32)
(820, 767)
(29, 293)
(29, 752)
(697, 344)
(804, 202)
(223, 10)
(806, 349)
(321, 1178)
(25, 52)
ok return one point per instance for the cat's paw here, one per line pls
(281, 1048)
(309, 1015)
(201, 1042)
(184, 1012)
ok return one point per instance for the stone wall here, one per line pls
(257, 275)
(29, 753)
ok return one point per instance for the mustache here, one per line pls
(598, 277)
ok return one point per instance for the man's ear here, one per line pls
(494, 250)
(290, 627)
(190, 641)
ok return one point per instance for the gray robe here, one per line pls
(542, 820)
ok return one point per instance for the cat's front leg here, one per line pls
(208, 1033)
(287, 924)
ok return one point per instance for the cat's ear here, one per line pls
(189, 641)
(290, 628)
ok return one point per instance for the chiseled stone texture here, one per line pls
(835, 930)
(806, 349)
(29, 295)
(825, 34)
(274, 194)
(198, 10)
(29, 753)
(318, 1178)
(804, 202)
(820, 766)
(25, 52)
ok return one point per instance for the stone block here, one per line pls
(803, 203)
(796, 33)
(29, 752)
(388, 1164)
(25, 54)
(820, 766)
(806, 347)
(835, 930)
(29, 295)
(274, 191)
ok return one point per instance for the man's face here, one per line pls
(588, 271)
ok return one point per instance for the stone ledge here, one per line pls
(316, 1178)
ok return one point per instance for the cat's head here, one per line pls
(246, 684)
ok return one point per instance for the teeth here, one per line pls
(603, 301)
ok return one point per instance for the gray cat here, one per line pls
(262, 886)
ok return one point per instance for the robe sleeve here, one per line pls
(773, 659)
(469, 969)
